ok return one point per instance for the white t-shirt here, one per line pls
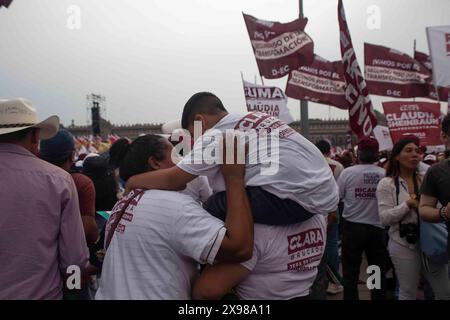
(357, 189)
(296, 170)
(285, 260)
(156, 247)
(336, 167)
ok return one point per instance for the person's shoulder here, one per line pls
(380, 170)
(47, 168)
(168, 198)
(350, 169)
(386, 181)
(81, 179)
(443, 165)
(334, 162)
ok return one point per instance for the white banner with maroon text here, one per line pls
(269, 100)
(279, 47)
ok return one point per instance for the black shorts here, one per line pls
(266, 207)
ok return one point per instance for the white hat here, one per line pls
(430, 157)
(19, 114)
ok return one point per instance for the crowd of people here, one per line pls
(175, 228)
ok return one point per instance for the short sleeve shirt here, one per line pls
(357, 189)
(156, 247)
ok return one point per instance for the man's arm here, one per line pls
(164, 179)
(72, 245)
(216, 281)
(90, 229)
(86, 195)
(428, 199)
(427, 209)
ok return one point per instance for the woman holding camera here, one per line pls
(398, 201)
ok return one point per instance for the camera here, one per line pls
(409, 231)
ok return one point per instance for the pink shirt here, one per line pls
(41, 232)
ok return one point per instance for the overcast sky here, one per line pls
(149, 56)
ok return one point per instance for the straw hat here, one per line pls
(19, 114)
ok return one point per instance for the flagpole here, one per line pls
(303, 104)
(414, 53)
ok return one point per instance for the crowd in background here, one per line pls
(392, 212)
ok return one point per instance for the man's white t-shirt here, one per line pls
(156, 247)
(285, 260)
(357, 189)
(296, 170)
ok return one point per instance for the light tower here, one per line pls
(95, 101)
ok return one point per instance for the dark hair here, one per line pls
(446, 124)
(117, 152)
(393, 168)
(201, 102)
(105, 185)
(17, 135)
(135, 157)
(59, 162)
(367, 156)
(324, 146)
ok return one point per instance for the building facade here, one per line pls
(336, 131)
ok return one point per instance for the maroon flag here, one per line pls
(5, 3)
(362, 116)
(322, 81)
(392, 73)
(425, 60)
(421, 119)
(279, 47)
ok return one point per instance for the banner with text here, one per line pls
(425, 60)
(279, 47)
(322, 81)
(439, 45)
(392, 73)
(383, 136)
(362, 116)
(421, 119)
(269, 100)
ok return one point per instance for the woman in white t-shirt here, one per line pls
(155, 239)
(398, 195)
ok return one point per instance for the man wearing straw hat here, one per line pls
(41, 233)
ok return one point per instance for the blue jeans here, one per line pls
(332, 247)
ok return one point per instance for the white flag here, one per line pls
(439, 44)
(269, 100)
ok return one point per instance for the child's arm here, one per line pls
(165, 179)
